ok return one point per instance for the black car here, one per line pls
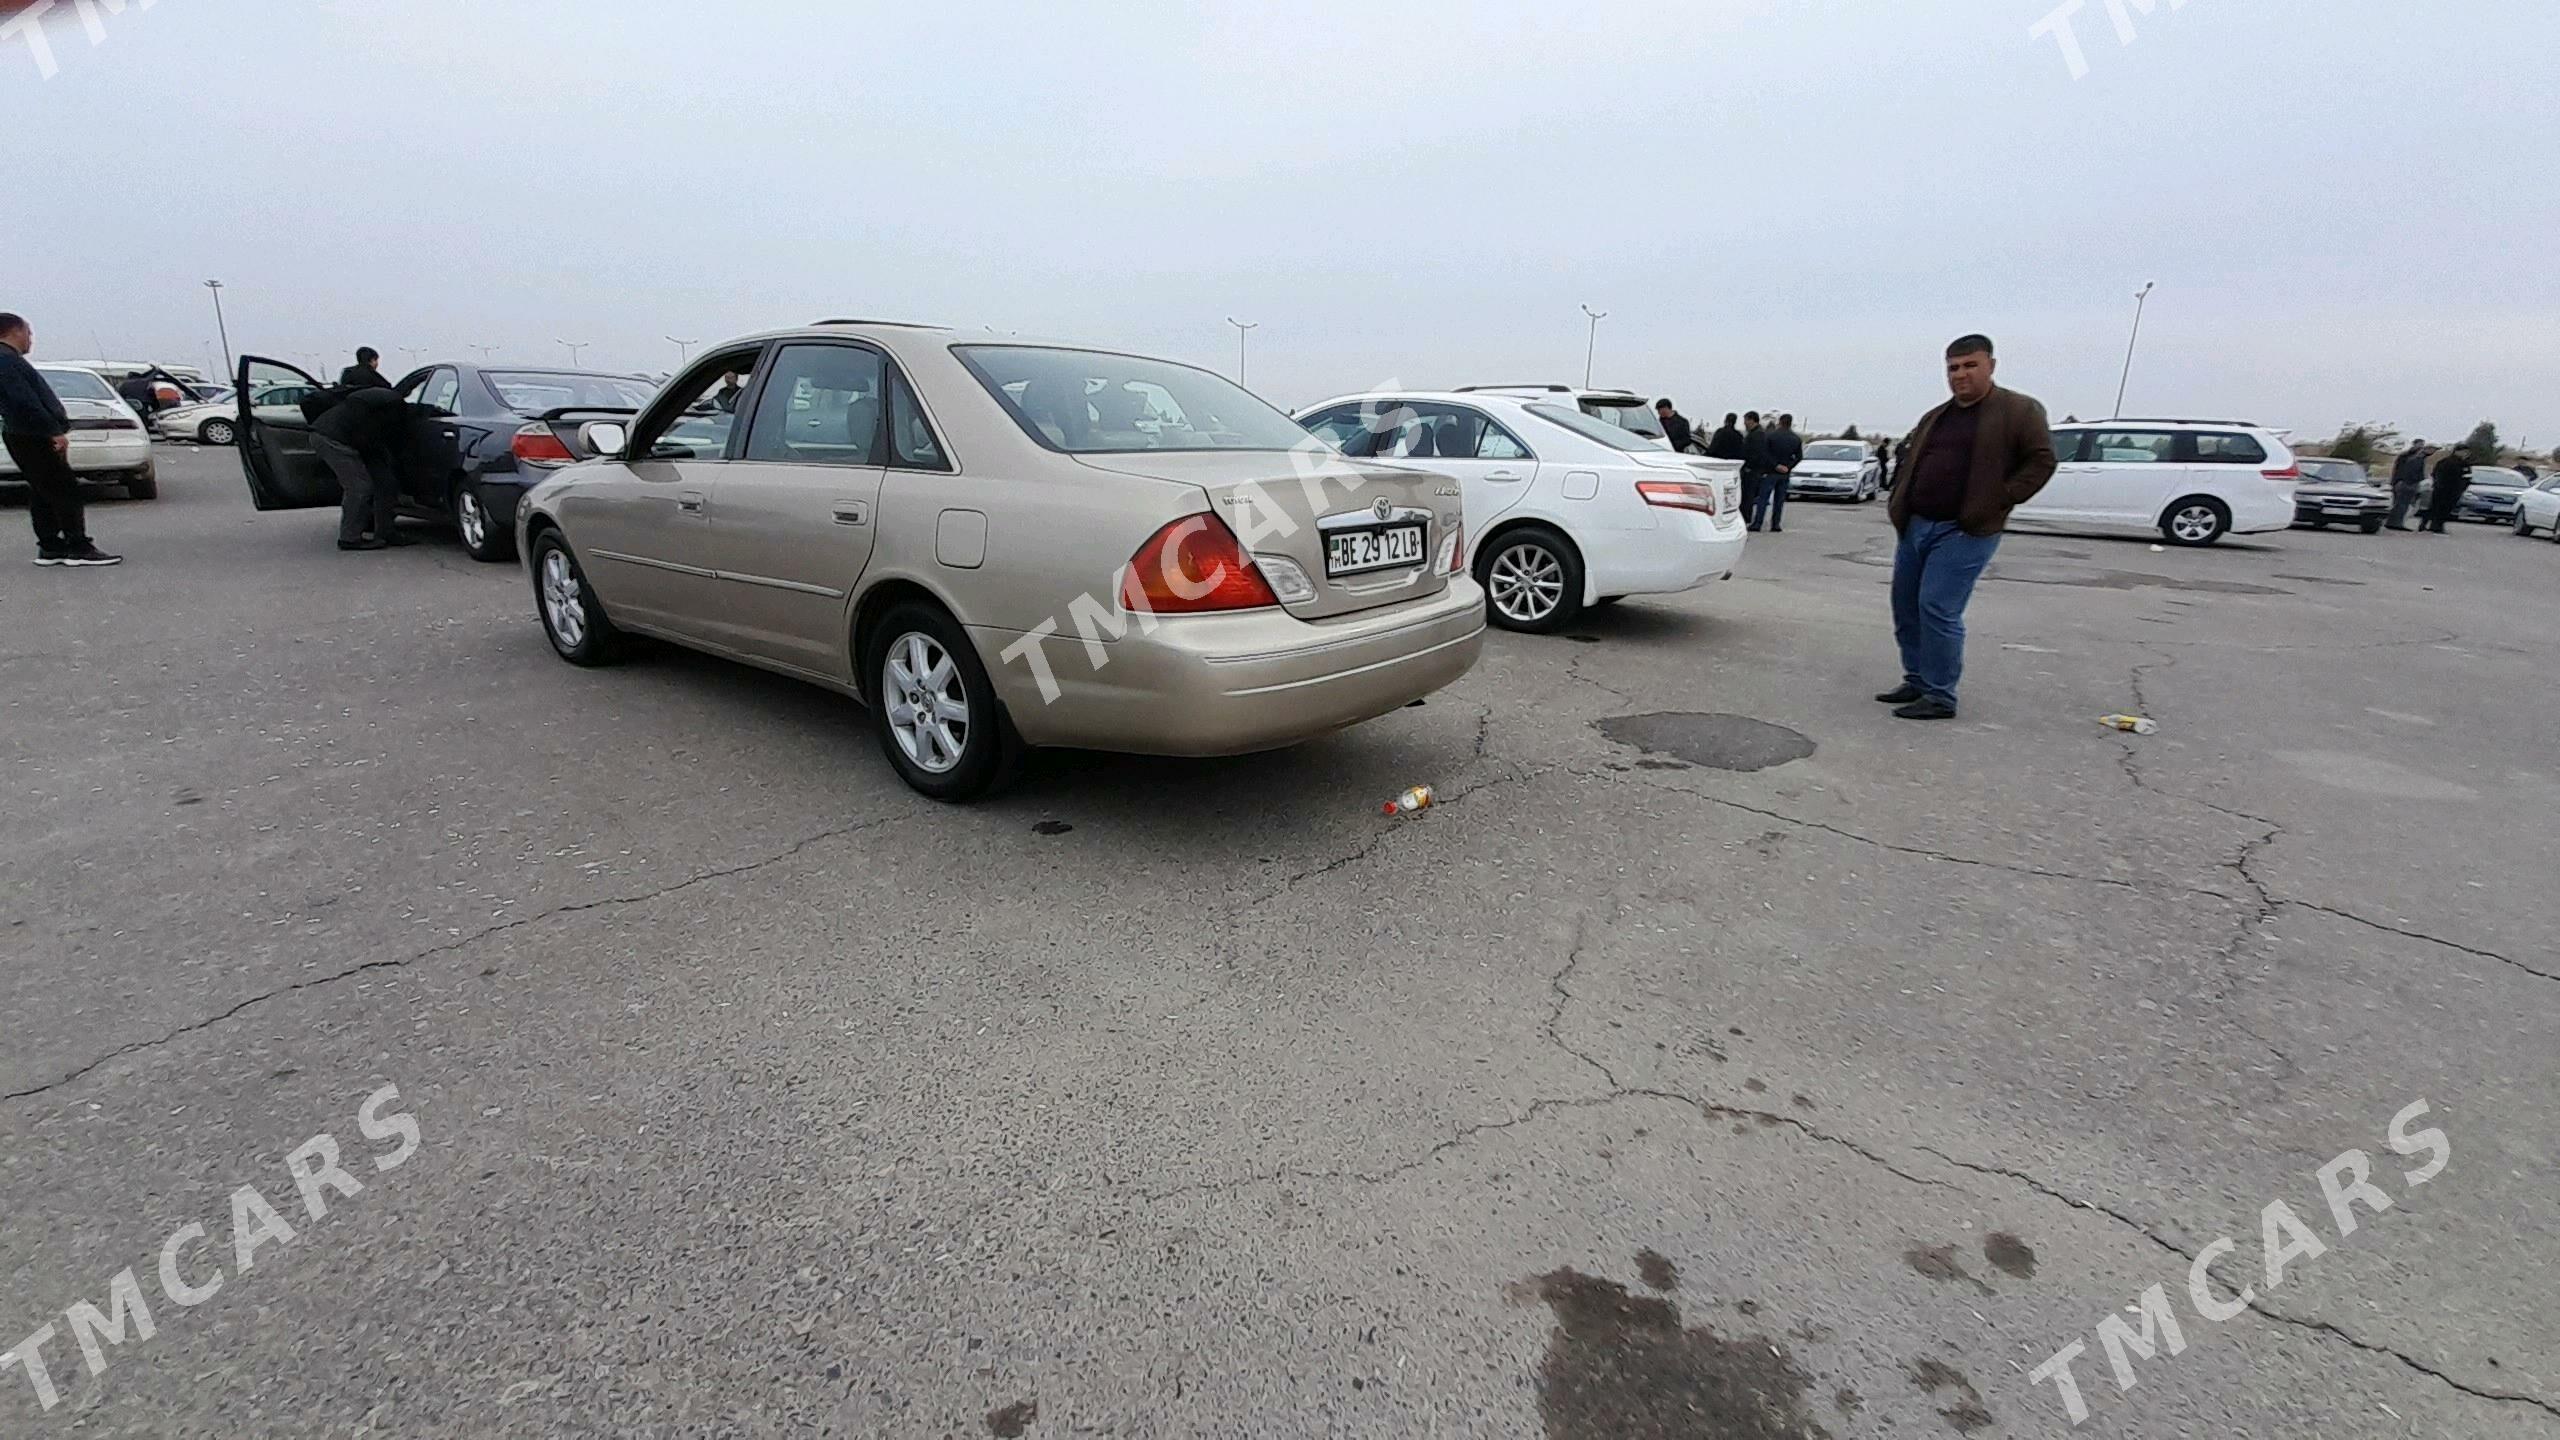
(481, 436)
(2339, 492)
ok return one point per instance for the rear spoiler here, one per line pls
(565, 411)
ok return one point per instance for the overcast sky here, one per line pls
(2349, 205)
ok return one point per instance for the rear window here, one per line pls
(1628, 415)
(1588, 428)
(77, 384)
(535, 391)
(2498, 475)
(2219, 448)
(1091, 402)
(1835, 450)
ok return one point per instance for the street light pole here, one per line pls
(485, 352)
(216, 287)
(1593, 350)
(573, 347)
(1241, 328)
(684, 351)
(2139, 297)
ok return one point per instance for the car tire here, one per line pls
(2318, 522)
(216, 432)
(145, 484)
(2195, 520)
(918, 670)
(2370, 527)
(2521, 525)
(572, 618)
(1532, 579)
(482, 538)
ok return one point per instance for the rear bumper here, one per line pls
(1233, 684)
(97, 457)
(1683, 551)
(2476, 506)
(2254, 514)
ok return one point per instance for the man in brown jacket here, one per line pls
(1965, 466)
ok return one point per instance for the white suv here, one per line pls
(1563, 510)
(2191, 481)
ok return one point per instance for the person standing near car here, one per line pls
(1675, 426)
(2407, 474)
(1972, 460)
(359, 433)
(1726, 443)
(2452, 477)
(37, 435)
(366, 373)
(1757, 467)
(1884, 463)
(1786, 452)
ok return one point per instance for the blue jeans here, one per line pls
(1934, 568)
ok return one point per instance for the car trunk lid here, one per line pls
(1361, 536)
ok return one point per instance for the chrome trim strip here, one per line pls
(770, 582)
(1426, 622)
(646, 562)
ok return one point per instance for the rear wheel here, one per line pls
(2522, 525)
(480, 536)
(1532, 580)
(571, 617)
(941, 725)
(2196, 520)
(216, 432)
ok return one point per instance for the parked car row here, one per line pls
(109, 445)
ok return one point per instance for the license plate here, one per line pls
(1348, 552)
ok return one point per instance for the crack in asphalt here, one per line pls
(2256, 1306)
(447, 948)
(1565, 997)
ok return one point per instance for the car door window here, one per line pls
(699, 412)
(2227, 449)
(442, 390)
(1343, 426)
(1499, 444)
(2131, 447)
(2066, 445)
(821, 404)
(912, 443)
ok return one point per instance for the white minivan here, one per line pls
(2190, 481)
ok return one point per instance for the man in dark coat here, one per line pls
(1726, 443)
(1786, 452)
(1675, 426)
(38, 437)
(361, 436)
(1970, 462)
(1758, 469)
(2407, 474)
(2452, 477)
(366, 372)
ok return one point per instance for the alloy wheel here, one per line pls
(564, 606)
(217, 432)
(472, 520)
(2195, 524)
(1526, 583)
(925, 702)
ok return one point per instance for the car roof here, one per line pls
(2170, 422)
(1585, 392)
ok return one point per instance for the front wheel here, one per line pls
(575, 623)
(941, 725)
(1532, 580)
(2196, 520)
(2522, 525)
(145, 484)
(482, 537)
(2372, 526)
(216, 432)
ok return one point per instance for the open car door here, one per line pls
(284, 472)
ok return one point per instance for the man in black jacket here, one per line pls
(2452, 477)
(38, 436)
(366, 372)
(2407, 474)
(1726, 443)
(1786, 452)
(361, 436)
(1757, 468)
(1675, 426)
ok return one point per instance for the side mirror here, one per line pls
(603, 438)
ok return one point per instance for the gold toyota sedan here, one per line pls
(996, 544)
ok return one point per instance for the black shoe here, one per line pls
(2401, 528)
(48, 556)
(362, 545)
(1925, 708)
(88, 555)
(1777, 529)
(1902, 694)
(395, 538)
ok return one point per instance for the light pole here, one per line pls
(216, 287)
(1593, 350)
(573, 346)
(1241, 328)
(2139, 297)
(485, 351)
(684, 350)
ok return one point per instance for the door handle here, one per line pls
(1503, 475)
(852, 512)
(690, 502)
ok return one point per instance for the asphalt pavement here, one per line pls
(1720, 1058)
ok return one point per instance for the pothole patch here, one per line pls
(1719, 742)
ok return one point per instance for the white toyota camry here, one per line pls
(1563, 511)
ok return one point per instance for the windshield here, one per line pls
(2497, 475)
(535, 391)
(1600, 430)
(1835, 450)
(76, 384)
(2336, 472)
(1632, 415)
(1088, 402)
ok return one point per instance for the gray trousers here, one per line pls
(368, 489)
(2402, 497)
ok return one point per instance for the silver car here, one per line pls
(1000, 544)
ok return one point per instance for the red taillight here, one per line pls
(536, 445)
(1192, 565)
(2290, 472)
(1454, 557)
(1678, 495)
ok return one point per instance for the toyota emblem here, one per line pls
(1382, 509)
